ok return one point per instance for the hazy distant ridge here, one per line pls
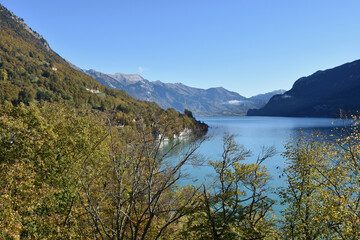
(202, 102)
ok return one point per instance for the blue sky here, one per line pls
(249, 47)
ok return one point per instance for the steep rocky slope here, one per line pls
(322, 94)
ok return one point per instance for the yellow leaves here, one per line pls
(323, 187)
(3, 75)
(40, 150)
(17, 196)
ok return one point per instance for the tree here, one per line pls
(134, 193)
(304, 194)
(3, 75)
(323, 192)
(236, 206)
(27, 95)
(188, 113)
(40, 150)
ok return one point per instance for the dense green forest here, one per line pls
(82, 161)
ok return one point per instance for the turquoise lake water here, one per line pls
(253, 133)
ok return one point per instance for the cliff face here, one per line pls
(322, 94)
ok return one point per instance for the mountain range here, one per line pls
(32, 73)
(201, 102)
(322, 94)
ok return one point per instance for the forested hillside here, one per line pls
(82, 161)
(30, 72)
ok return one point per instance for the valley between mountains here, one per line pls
(88, 155)
(326, 93)
(216, 101)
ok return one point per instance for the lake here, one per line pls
(256, 132)
(253, 133)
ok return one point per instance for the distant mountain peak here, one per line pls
(266, 96)
(127, 78)
(202, 102)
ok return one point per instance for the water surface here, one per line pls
(254, 133)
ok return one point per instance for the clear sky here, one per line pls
(247, 46)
